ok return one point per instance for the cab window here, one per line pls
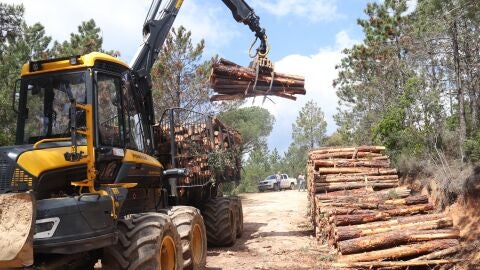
(110, 122)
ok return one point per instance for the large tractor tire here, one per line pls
(220, 221)
(146, 241)
(190, 227)
(237, 202)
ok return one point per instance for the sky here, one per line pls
(306, 38)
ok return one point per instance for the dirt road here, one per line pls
(276, 235)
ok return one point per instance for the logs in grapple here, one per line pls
(232, 82)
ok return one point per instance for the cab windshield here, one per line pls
(45, 106)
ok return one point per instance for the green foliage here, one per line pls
(411, 85)
(310, 127)
(87, 40)
(20, 43)
(256, 168)
(254, 123)
(336, 139)
(180, 75)
(295, 160)
(472, 148)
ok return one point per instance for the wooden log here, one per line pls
(399, 220)
(409, 210)
(410, 250)
(347, 184)
(376, 199)
(365, 148)
(345, 155)
(341, 193)
(351, 163)
(352, 178)
(398, 192)
(411, 200)
(393, 238)
(342, 220)
(344, 211)
(345, 233)
(439, 254)
(242, 73)
(403, 264)
(355, 185)
(361, 170)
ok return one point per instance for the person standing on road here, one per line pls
(301, 180)
(279, 179)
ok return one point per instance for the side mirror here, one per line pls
(15, 96)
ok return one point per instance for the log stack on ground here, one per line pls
(358, 208)
(233, 82)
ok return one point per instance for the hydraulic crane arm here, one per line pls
(158, 23)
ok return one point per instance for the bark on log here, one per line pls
(342, 220)
(400, 251)
(351, 163)
(345, 155)
(374, 265)
(400, 220)
(231, 81)
(402, 211)
(352, 178)
(354, 186)
(393, 238)
(398, 192)
(360, 170)
(345, 233)
(374, 149)
(439, 254)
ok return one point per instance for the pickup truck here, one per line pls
(270, 183)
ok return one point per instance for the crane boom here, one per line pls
(159, 21)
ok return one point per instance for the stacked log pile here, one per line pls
(194, 145)
(233, 82)
(359, 209)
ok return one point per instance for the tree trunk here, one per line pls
(395, 265)
(342, 220)
(401, 251)
(353, 185)
(345, 233)
(393, 238)
(439, 254)
(460, 94)
(360, 170)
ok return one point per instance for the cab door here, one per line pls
(110, 142)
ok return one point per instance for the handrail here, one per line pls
(35, 146)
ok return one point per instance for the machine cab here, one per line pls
(120, 134)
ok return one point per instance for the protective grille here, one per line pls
(21, 181)
(6, 171)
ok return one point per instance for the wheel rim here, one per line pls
(197, 244)
(167, 254)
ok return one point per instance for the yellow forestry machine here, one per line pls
(93, 176)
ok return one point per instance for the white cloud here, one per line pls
(318, 10)
(319, 71)
(121, 21)
(208, 21)
(411, 6)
